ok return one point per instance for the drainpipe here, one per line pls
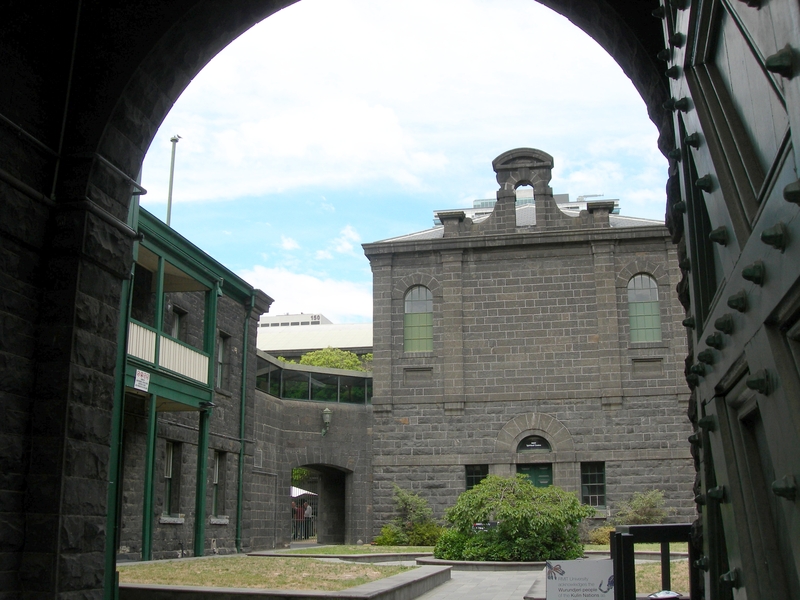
(242, 410)
(210, 338)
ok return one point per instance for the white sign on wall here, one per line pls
(142, 381)
(580, 580)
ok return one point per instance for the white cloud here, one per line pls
(297, 102)
(340, 301)
(323, 255)
(288, 243)
(344, 243)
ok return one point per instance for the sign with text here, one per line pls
(142, 381)
(580, 580)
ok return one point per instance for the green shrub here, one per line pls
(601, 535)
(391, 535)
(424, 534)
(642, 509)
(414, 524)
(533, 524)
(450, 545)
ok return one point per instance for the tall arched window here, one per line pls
(643, 309)
(418, 320)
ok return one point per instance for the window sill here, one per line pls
(639, 345)
(171, 520)
(219, 520)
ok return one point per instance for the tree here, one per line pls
(509, 519)
(642, 509)
(414, 524)
(334, 358)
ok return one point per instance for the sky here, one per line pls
(335, 123)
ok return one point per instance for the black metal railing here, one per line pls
(622, 553)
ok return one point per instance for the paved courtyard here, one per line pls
(489, 585)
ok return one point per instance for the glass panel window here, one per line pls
(643, 309)
(418, 320)
(534, 443)
(324, 387)
(353, 390)
(295, 385)
(593, 483)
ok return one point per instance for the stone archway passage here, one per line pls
(330, 521)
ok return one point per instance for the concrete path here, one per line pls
(488, 585)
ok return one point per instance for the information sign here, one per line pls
(142, 381)
(580, 579)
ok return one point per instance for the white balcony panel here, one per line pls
(141, 342)
(183, 360)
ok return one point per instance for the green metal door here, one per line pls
(539, 475)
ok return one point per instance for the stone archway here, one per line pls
(331, 518)
(542, 424)
(92, 83)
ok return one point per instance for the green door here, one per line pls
(539, 475)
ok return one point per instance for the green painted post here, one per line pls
(200, 493)
(115, 450)
(149, 487)
(113, 497)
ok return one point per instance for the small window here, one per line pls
(179, 321)
(593, 484)
(534, 443)
(418, 320)
(643, 309)
(475, 474)
(172, 478)
(223, 361)
(218, 484)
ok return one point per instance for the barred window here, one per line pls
(593, 483)
(475, 474)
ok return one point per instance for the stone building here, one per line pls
(188, 401)
(532, 341)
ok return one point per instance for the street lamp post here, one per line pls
(174, 139)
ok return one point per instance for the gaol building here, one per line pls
(531, 340)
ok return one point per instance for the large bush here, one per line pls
(642, 509)
(414, 524)
(526, 523)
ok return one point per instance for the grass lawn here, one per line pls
(673, 547)
(368, 549)
(256, 572)
(648, 577)
(362, 549)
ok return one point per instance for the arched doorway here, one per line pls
(324, 489)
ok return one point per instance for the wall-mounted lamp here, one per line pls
(326, 420)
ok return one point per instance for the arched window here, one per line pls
(643, 309)
(418, 320)
(534, 443)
